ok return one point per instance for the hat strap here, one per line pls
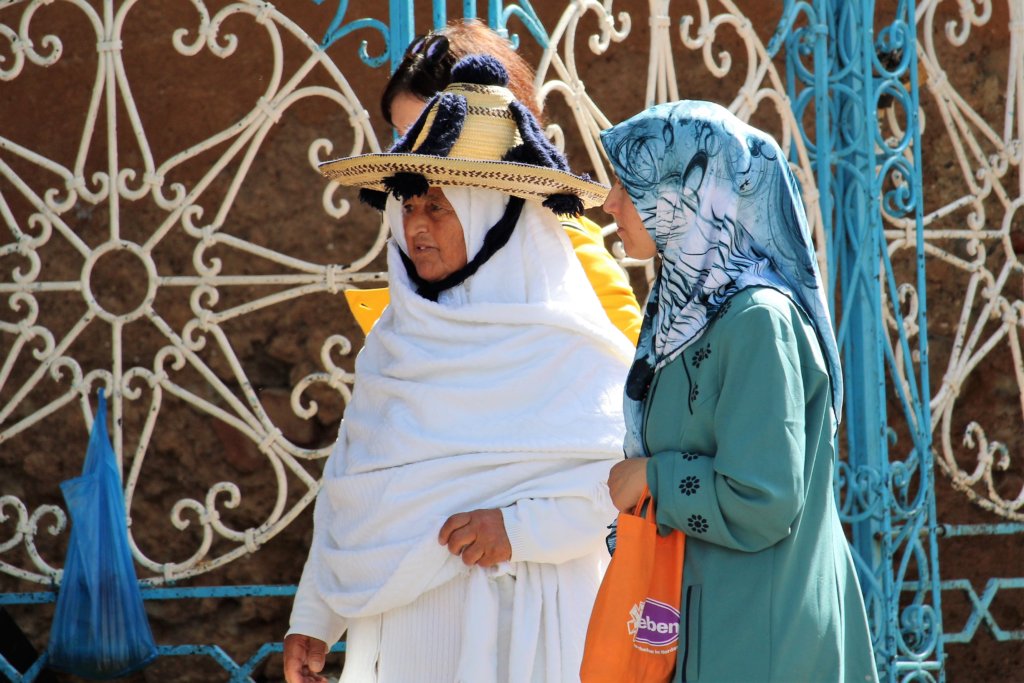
(496, 238)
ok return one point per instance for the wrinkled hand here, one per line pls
(626, 482)
(304, 659)
(478, 536)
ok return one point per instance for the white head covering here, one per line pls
(536, 265)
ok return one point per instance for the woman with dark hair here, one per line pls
(426, 70)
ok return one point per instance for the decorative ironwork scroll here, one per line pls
(968, 236)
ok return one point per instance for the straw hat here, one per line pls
(473, 133)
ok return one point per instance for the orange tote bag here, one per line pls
(634, 628)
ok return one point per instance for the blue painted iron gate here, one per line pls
(842, 83)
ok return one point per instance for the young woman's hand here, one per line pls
(626, 482)
(478, 536)
(304, 659)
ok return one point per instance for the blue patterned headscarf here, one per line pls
(724, 209)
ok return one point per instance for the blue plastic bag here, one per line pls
(100, 629)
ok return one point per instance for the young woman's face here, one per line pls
(637, 242)
(433, 235)
(405, 109)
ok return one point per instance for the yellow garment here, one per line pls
(609, 281)
(367, 305)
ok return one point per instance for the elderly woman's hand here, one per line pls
(479, 536)
(626, 482)
(304, 659)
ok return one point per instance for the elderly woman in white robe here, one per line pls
(459, 534)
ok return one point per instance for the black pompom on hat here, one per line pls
(480, 69)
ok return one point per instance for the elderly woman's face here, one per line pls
(433, 235)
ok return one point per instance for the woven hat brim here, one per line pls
(520, 180)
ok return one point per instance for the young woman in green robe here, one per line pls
(733, 401)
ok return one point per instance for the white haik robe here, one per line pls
(507, 394)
